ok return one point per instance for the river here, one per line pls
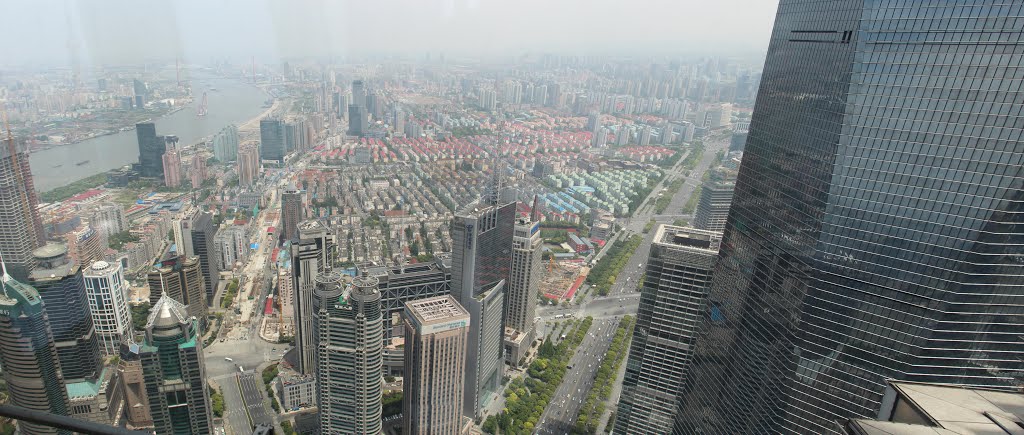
(234, 102)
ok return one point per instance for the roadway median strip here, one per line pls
(526, 400)
(593, 407)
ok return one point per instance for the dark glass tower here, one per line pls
(875, 231)
(31, 366)
(481, 263)
(202, 234)
(60, 284)
(272, 145)
(151, 150)
(174, 371)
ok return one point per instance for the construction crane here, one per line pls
(201, 110)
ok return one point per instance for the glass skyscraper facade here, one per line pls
(875, 230)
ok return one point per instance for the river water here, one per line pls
(234, 102)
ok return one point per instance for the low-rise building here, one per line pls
(295, 390)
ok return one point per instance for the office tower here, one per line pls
(106, 290)
(132, 381)
(291, 213)
(22, 231)
(358, 93)
(871, 237)
(248, 165)
(59, 283)
(180, 278)
(400, 284)
(481, 260)
(141, 93)
(31, 366)
(357, 122)
(225, 144)
(231, 246)
(349, 348)
(522, 288)
(197, 171)
(436, 331)
(202, 234)
(737, 141)
(109, 219)
(172, 167)
(174, 371)
(84, 244)
(151, 150)
(715, 199)
(674, 286)
(272, 146)
(312, 254)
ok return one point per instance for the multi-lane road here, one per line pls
(560, 415)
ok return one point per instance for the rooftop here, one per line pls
(691, 238)
(912, 408)
(436, 309)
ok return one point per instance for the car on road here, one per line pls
(228, 359)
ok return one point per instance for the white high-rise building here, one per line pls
(106, 291)
(349, 345)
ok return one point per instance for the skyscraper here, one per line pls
(715, 200)
(202, 233)
(312, 254)
(357, 122)
(874, 232)
(291, 213)
(172, 167)
(31, 366)
(197, 171)
(106, 290)
(151, 150)
(22, 231)
(358, 94)
(521, 292)
(675, 283)
(181, 279)
(225, 144)
(349, 354)
(436, 332)
(248, 164)
(174, 371)
(481, 260)
(60, 284)
(272, 145)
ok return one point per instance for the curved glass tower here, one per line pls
(875, 231)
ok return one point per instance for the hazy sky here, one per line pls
(128, 31)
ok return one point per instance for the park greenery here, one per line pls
(528, 396)
(73, 188)
(269, 373)
(140, 313)
(391, 403)
(604, 273)
(594, 405)
(117, 240)
(229, 294)
(217, 402)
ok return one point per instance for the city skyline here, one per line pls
(520, 218)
